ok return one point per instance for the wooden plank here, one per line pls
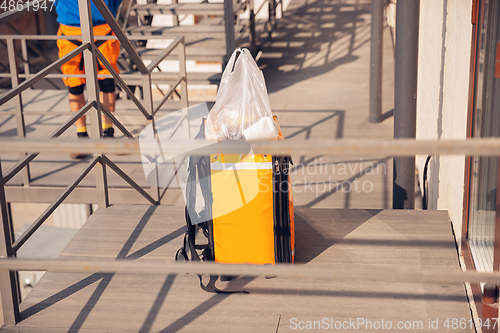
(171, 77)
(303, 89)
(194, 30)
(122, 303)
(200, 50)
(180, 8)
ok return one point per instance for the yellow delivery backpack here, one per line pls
(248, 210)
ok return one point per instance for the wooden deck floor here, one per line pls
(70, 302)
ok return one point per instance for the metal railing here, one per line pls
(345, 147)
(335, 272)
(271, 23)
(9, 288)
(236, 29)
(145, 75)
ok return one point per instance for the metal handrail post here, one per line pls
(183, 72)
(90, 63)
(376, 52)
(154, 190)
(253, 36)
(184, 90)
(229, 25)
(148, 104)
(405, 99)
(269, 23)
(24, 50)
(176, 16)
(274, 20)
(9, 286)
(18, 102)
(148, 93)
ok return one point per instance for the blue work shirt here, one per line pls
(69, 14)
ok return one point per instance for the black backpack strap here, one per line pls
(211, 288)
(181, 253)
(190, 243)
(198, 172)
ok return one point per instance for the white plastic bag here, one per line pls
(242, 109)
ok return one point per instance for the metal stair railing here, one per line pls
(155, 76)
(9, 286)
(233, 28)
(235, 31)
(349, 148)
(145, 75)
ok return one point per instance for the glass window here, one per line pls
(485, 123)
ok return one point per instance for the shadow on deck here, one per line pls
(74, 302)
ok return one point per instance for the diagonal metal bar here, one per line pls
(165, 53)
(9, 285)
(122, 83)
(19, 166)
(40, 75)
(261, 6)
(30, 157)
(173, 177)
(129, 180)
(110, 19)
(67, 124)
(45, 215)
(115, 121)
(12, 15)
(119, 11)
(167, 95)
(177, 126)
(127, 15)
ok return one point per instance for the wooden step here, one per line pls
(180, 8)
(171, 77)
(127, 107)
(206, 49)
(199, 30)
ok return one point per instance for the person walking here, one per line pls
(69, 20)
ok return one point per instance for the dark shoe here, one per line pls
(79, 156)
(82, 135)
(108, 133)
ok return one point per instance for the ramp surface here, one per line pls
(70, 302)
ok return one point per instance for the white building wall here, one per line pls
(442, 97)
(429, 80)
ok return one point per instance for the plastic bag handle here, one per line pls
(238, 52)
